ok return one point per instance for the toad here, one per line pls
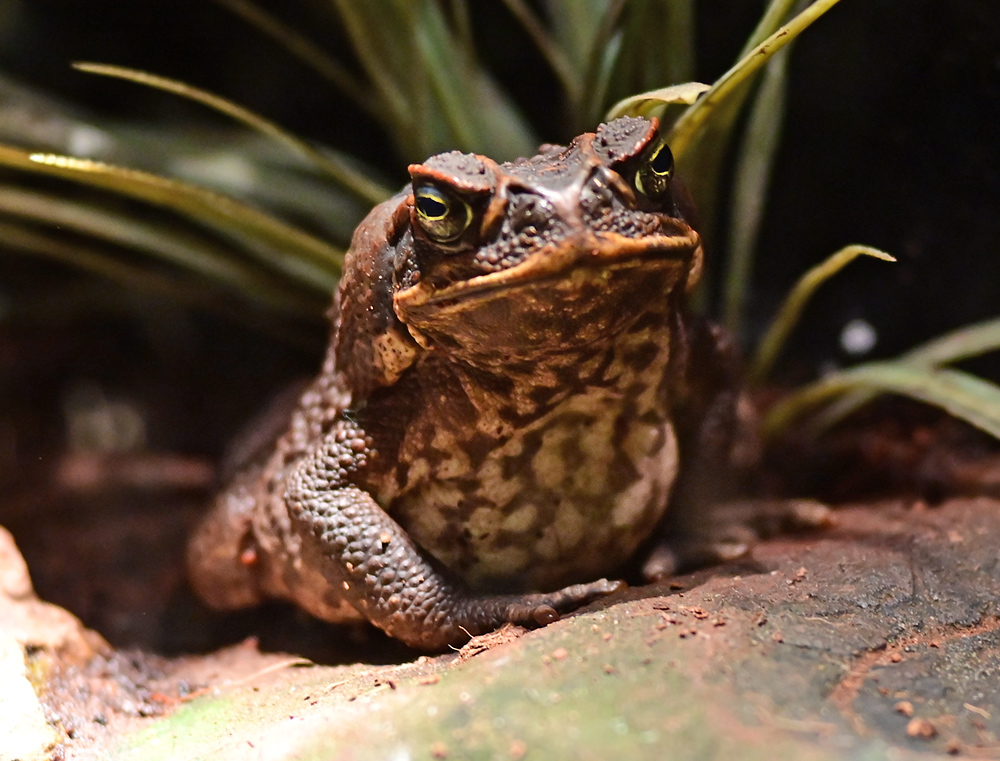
(511, 389)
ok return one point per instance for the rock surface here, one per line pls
(877, 639)
(30, 631)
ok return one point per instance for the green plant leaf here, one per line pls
(964, 343)
(136, 277)
(20, 238)
(574, 36)
(791, 309)
(731, 86)
(247, 170)
(754, 162)
(579, 29)
(654, 102)
(343, 174)
(774, 15)
(433, 95)
(656, 48)
(276, 244)
(700, 138)
(961, 394)
(304, 49)
(172, 244)
(237, 162)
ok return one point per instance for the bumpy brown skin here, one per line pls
(496, 412)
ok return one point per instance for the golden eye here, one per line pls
(653, 177)
(442, 216)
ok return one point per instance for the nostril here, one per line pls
(602, 193)
(530, 211)
(596, 196)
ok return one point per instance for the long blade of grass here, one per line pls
(790, 311)
(570, 77)
(599, 84)
(383, 47)
(679, 56)
(960, 394)
(450, 82)
(302, 48)
(657, 46)
(580, 26)
(247, 170)
(338, 171)
(463, 26)
(590, 35)
(236, 162)
(700, 136)
(141, 279)
(435, 95)
(166, 243)
(693, 121)
(964, 343)
(755, 161)
(306, 259)
(476, 110)
(775, 13)
(19, 238)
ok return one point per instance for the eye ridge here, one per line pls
(442, 215)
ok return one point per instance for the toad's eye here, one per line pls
(441, 215)
(653, 177)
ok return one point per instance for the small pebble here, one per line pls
(921, 728)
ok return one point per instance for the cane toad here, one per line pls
(497, 415)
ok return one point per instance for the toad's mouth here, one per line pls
(679, 246)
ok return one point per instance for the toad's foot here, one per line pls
(545, 607)
(729, 532)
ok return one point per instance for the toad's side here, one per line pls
(495, 417)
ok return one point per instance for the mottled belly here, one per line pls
(568, 499)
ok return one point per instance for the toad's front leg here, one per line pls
(377, 568)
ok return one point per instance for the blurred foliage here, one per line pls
(922, 373)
